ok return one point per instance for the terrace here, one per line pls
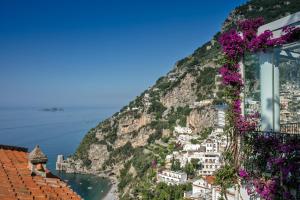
(271, 90)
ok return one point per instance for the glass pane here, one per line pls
(289, 76)
(252, 84)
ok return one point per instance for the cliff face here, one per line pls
(184, 97)
(175, 100)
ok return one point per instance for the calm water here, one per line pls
(56, 133)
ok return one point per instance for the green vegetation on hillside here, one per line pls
(144, 184)
(164, 192)
(178, 116)
(154, 136)
(122, 153)
(125, 177)
(82, 151)
(205, 83)
(165, 85)
(205, 133)
(175, 116)
(157, 108)
(270, 10)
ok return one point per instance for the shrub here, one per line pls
(189, 169)
(205, 133)
(111, 136)
(141, 162)
(125, 178)
(159, 125)
(164, 191)
(157, 108)
(119, 154)
(179, 115)
(82, 150)
(175, 165)
(154, 136)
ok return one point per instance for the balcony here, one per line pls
(272, 92)
(272, 87)
(290, 128)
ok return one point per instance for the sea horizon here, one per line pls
(57, 132)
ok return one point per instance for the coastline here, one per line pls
(112, 194)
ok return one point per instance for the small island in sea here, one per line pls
(54, 109)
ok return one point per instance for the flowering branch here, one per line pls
(278, 161)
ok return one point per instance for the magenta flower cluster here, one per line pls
(232, 44)
(266, 188)
(243, 173)
(279, 161)
(231, 77)
(249, 28)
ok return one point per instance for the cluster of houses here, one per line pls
(208, 153)
(289, 94)
(289, 97)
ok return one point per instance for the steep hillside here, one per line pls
(124, 145)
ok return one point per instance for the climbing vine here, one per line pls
(273, 161)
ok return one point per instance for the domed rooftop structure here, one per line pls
(37, 156)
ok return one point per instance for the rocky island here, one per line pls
(54, 109)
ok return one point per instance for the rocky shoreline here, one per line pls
(112, 193)
(71, 166)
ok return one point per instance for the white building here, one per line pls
(231, 194)
(217, 131)
(172, 177)
(184, 139)
(211, 162)
(203, 185)
(191, 147)
(202, 103)
(185, 157)
(182, 130)
(221, 115)
(202, 189)
(211, 145)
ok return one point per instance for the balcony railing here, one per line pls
(291, 128)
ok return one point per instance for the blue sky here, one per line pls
(97, 53)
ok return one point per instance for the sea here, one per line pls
(57, 132)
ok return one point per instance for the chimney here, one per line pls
(37, 162)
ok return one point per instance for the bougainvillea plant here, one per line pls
(272, 176)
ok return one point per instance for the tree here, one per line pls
(175, 165)
(196, 163)
(189, 169)
(225, 177)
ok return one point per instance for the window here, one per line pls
(272, 87)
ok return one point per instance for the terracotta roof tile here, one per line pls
(210, 179)
(16, 182)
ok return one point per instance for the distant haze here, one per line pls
(97, 53)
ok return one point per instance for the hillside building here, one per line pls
(172, 177)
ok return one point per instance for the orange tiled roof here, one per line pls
(16, 182)
(210, 179)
